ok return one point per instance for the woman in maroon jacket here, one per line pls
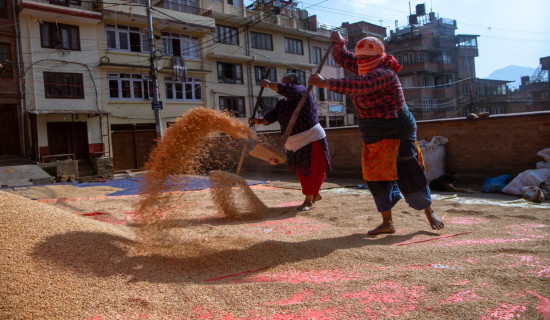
(307, 147)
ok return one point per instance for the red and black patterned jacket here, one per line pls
(377, 94)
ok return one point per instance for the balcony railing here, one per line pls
(76, 4)
(420, 66)
(177, 6)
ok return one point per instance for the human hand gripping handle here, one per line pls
(253, 121)
(317, 80)
(337, 39)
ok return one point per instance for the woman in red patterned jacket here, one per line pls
(391, 159)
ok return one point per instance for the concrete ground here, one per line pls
(16, 171)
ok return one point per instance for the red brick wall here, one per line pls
(485, 146)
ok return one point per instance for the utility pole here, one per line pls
(156, 104)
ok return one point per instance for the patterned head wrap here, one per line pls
(374, 49)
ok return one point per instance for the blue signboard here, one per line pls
(156, 105)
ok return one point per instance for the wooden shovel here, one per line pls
(304, 98)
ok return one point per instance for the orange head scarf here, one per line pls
(377, 57)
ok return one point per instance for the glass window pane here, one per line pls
(198, 91)
(188, 91)
(45, 34)
(179, 91)
(113, 88)
(138, 89)
(75, 45)
(125, 86)
(123, 40)
(111, 39)
(169, 90)
(65, 38)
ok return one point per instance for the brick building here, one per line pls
(438, 74)
(12, 139)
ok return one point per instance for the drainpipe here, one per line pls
(249, 67)
(20, 79)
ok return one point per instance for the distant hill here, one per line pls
(511, 73)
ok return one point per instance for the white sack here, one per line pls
(434, 154)
(527, 178)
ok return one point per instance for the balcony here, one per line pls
(81, 11)
(177, 6)
(429, 93)
(446, 92)
(73, 4)
(420, 67)
(170, 14)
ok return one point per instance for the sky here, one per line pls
(511, 32)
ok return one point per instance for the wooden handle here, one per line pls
(260, 95)
(241, 159)
(304, 98)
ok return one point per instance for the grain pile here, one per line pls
(181, 151)
(490, 262)
(234, 198)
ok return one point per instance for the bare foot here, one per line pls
(305, 206)
(435, 222)
(385, 227)
(317, 198)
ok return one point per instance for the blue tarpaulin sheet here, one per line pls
(130, 186)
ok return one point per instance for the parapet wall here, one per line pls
(479, 147)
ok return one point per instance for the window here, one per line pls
(316, 55)
(3, 9)
(406, 58)
(330, 60)
(60, 85)
(467, 89)
(235, 3)
(227, 35)
(445, 57)
(445, 80)
(233, 105)
(187, 6)
(230, 73)
(261, 41)
(65, 2)
(180, 45)
(323, 121)
(293, 46)
(335, 121)
(321, 94)
(129, 86)
(500, 110)
(467, 42)
(59, 36)
(5, 61)
(301, 75)
(429, 104)
(191, 90)
(545, 95)
(266, 104)
(407, 82)
(427, 81)
(333, 96)
(261, 73)
(422, 57)
(126, 38)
